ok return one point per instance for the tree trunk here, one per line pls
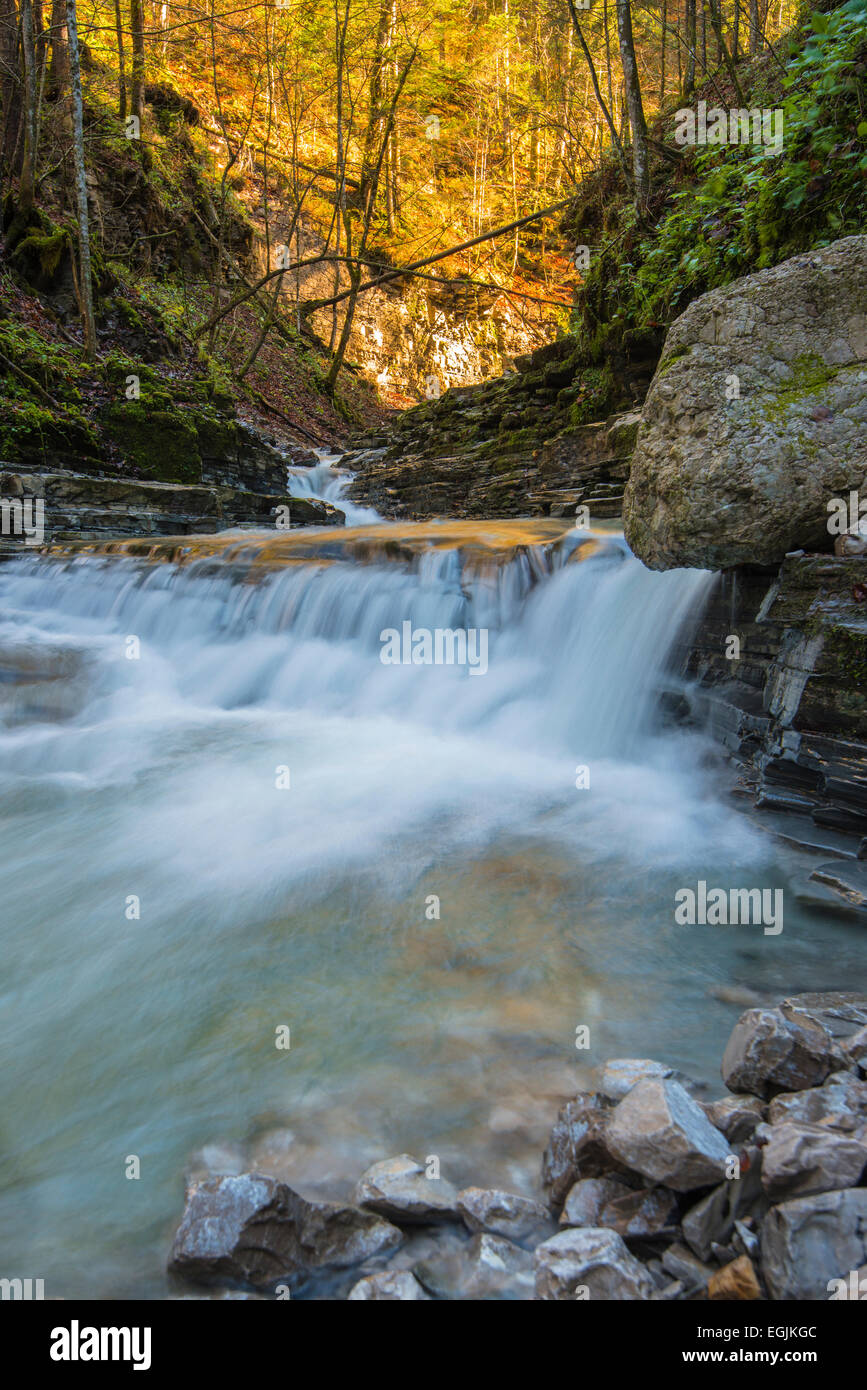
(609, 119)
(59, 49)
(10, 82)
(136, 24)
(121, 61)
(714, 9)
(755, 29)
(85, 286)
(28, 163)
(691, 38)
(376, 116)
(637, 124)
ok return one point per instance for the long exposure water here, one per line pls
(224, 815)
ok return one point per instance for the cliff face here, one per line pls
(550, 436)
(782, 664)
(411, 336)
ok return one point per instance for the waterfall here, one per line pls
(329, 483)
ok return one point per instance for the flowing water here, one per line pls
(223, 815)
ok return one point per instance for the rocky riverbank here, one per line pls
(647, 1191)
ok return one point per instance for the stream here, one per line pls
(223, 814)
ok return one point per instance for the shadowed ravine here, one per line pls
(156, 778)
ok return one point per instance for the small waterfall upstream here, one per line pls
(223, 813)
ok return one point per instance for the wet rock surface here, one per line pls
(253, 1230)
(401, 1189)
(79, 507)
(770, 1052)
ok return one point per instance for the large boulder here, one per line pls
(773, 1050)
(400, 1189)
(253, 1230)
(811, 1240)
(590, 1263)
(800, 1159)
(755, 419)
(662, 1133)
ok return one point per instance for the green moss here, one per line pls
(38, 255)
(848, 651)
(669, 360)
(810, 376)
(161, 443)
(34, 436)
(216, 436)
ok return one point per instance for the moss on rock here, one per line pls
(161, 443)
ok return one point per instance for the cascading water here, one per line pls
(223, 814)
(329, 482)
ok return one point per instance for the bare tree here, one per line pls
(10, 82)
(136, 24)
(28, 163)
(85, 277)
(637, 123)
(59, 48)
(121, 62)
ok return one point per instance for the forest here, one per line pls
(245, 175)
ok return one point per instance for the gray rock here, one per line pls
(682, 1265)
(840, 1012)
(634, 1213)
(620, 1075)
(811, 1240)
(387, 1287)
(487, 1267)
(856, 1048)
(839, 1103)
(661, 1132)
(768, 1052)
(717, 482)
(592, 1263)
(578, 1147)
(800, 1159)
(847, 878)
(253, 1230)
(714, 1219)
(519, 1219)
(736, 1116)
(400, 1189)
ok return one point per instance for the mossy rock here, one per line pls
(42, 257)
(34, 436)
(161, 443)
(217, 437)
